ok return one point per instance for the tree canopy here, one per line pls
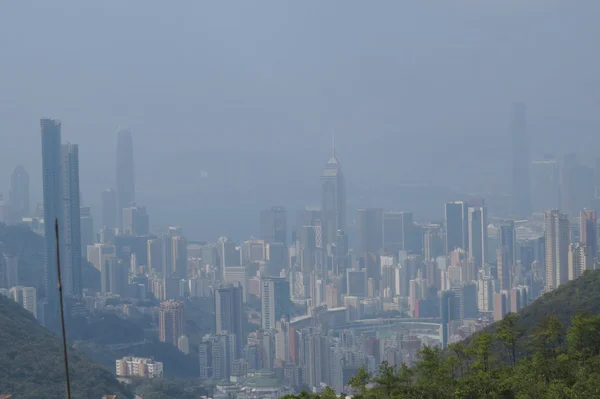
(551, 349)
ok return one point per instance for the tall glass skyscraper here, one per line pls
(71, 239)
(457, 230)
(333, 200)
(125, 173)
(53, 208)
(506, 254)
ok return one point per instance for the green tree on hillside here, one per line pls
(558, 364)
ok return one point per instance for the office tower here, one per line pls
(356, 282)
(113, 275)
(179, 256)
(109, 209)
(544, 184)
(501, 305)
(253, 251)
(485, 294)
(520, 162)
(87, 229)
(514, 300)
(309, 216)
(71, 239)
(433, 274)
(125, 174)
(19, 194)
(580, 260)
(214, 356)
(341, 258)
(369, 225)
(229, 255)
(310, 252)
(332, 296)
(267, 346)
(433, 243)
(506, 253)
(98, 253)
(278, 257)
(526, 254)
(135, 221)
(399, 233)
(392, 231)
(53, 209)
(282, 340)
(456, 221)
(447, 313)
(333, 200)
(416, 292)
(106, 236)
(171, 321)
(26, 297)
(229, 313)
(370, 240)
(469, 300)
(273, 225)
(315, 358)
(557, 248)
(523, 292)
(275, 301)
(478, 237)
(412, 234)
(588, 231)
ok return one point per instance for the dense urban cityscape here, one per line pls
(297, 307)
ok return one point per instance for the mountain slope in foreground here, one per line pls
(577, 296)
(31, 362)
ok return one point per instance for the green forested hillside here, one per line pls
(31, 362)
(551, 349)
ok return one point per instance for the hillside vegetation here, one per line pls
(551, 349)
(31, 362)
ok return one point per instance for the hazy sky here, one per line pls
(250, 91)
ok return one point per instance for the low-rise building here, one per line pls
(130, 366)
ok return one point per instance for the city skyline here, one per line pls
(473, 265)
(238, 206)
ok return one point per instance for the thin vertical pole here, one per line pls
(62, 311)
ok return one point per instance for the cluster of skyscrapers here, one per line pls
(62, 208)
(323, 302)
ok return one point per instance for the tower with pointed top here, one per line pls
(333, 200)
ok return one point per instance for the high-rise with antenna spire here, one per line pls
(333, 199)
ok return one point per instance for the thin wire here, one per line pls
(62, 311)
